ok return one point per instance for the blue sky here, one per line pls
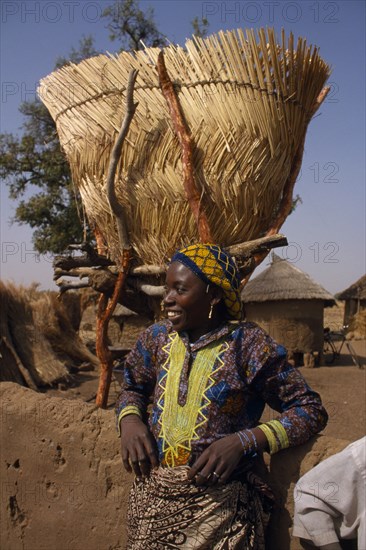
(327, 232)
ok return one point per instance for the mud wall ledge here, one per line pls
(63, 485)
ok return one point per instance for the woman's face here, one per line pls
(187, 303)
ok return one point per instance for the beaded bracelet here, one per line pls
(244, 436)
(254, 439)
(240, 436)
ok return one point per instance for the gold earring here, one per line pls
(210, 312)
(162, 305)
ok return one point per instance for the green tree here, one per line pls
(200, 26)
(132, 27)
(35, 163)
(86, 49)
(27, 162)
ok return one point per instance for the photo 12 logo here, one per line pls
(271, 12)
(321, 253)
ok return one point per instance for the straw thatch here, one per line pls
(247, 103)
(284, 281)
(37, 342)
(357, 326)
(357, 291)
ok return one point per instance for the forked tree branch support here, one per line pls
(183, 134)
(107, 306)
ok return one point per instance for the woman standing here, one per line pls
(209, 376)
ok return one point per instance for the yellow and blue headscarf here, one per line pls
(212, 265)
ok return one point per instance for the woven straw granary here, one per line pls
(247, 101)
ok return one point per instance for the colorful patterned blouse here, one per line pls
(218, 385)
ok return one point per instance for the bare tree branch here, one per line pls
(74, 262)
(68, 285)
(116, 207)
(148, 270)
(249, 248)
(150, 290)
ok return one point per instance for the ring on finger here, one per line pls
(216, 475)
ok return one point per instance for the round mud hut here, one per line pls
(289, 305)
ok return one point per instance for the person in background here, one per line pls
(208, 375)
(330, 500)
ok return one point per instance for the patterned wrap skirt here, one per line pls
(166, 511)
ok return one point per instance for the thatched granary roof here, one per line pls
(357, 291)
(247, 100)
(38, 343)
(284, 281)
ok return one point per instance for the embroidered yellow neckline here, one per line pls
(179, 423)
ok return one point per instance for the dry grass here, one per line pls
(38, 335)
(53, 321)
(357, 326)
(334, 316)
(247, 101)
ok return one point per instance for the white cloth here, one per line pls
(330, 499)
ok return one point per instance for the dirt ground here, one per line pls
(342, 388)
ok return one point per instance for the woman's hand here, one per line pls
(138, 447)
(218, 461)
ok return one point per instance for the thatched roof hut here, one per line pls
(354, 297)
(283, 281)
(287, 303)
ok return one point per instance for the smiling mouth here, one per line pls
(173, 314)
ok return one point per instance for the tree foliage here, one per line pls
(27, 162)
(132, 27)
(200, 26)
(86, 49)
(35, 163)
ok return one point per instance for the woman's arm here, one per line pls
(268, 374)
(138, 447)
(286, 391)
(139, 378)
